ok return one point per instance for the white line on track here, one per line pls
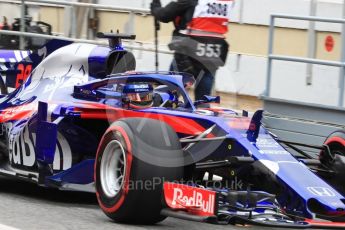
(5, 227)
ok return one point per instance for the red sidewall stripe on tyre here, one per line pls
(335, 139)
(129, 158)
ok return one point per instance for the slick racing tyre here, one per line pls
(128, 182)
(336, 145)
(336, 160)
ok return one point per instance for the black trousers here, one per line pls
(204, 75)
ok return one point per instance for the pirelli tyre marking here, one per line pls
(22, 151)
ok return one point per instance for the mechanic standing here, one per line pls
(4, 25)
(5, 40)
(198, 39)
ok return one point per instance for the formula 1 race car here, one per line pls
(80, 118)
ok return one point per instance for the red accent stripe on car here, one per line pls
(18, 112)
(243, 123)
(324, 224)
(179, 124)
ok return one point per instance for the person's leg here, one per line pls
(173, 65)
(182, 63)
(204, 84)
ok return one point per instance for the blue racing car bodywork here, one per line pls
(55, 126)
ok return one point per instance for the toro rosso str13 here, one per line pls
(83, 120)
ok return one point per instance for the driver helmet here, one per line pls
(138, 95)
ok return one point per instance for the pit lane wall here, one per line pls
(245, 71)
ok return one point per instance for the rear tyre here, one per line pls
(336, 144)
(336, 160)
(128, 188)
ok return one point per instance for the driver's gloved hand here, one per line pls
(157, 100)
(154, 5)
(171, 104)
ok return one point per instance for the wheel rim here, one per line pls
(113, 168)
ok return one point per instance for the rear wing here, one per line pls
(17, 65)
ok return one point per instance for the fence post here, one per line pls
(22, 25)
(241, 9)
(311, 42)
(73, 22)
(342, 69)
(129, 27)
(269, 59)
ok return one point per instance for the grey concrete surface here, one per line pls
(26, 206)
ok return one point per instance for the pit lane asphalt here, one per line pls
(26, 206)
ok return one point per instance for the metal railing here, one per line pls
(141, 46)
(272, 57)
(73, 5)
(89, 5)
(128, 45)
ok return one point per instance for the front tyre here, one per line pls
(128, 187)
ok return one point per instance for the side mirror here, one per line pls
(207, 99)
